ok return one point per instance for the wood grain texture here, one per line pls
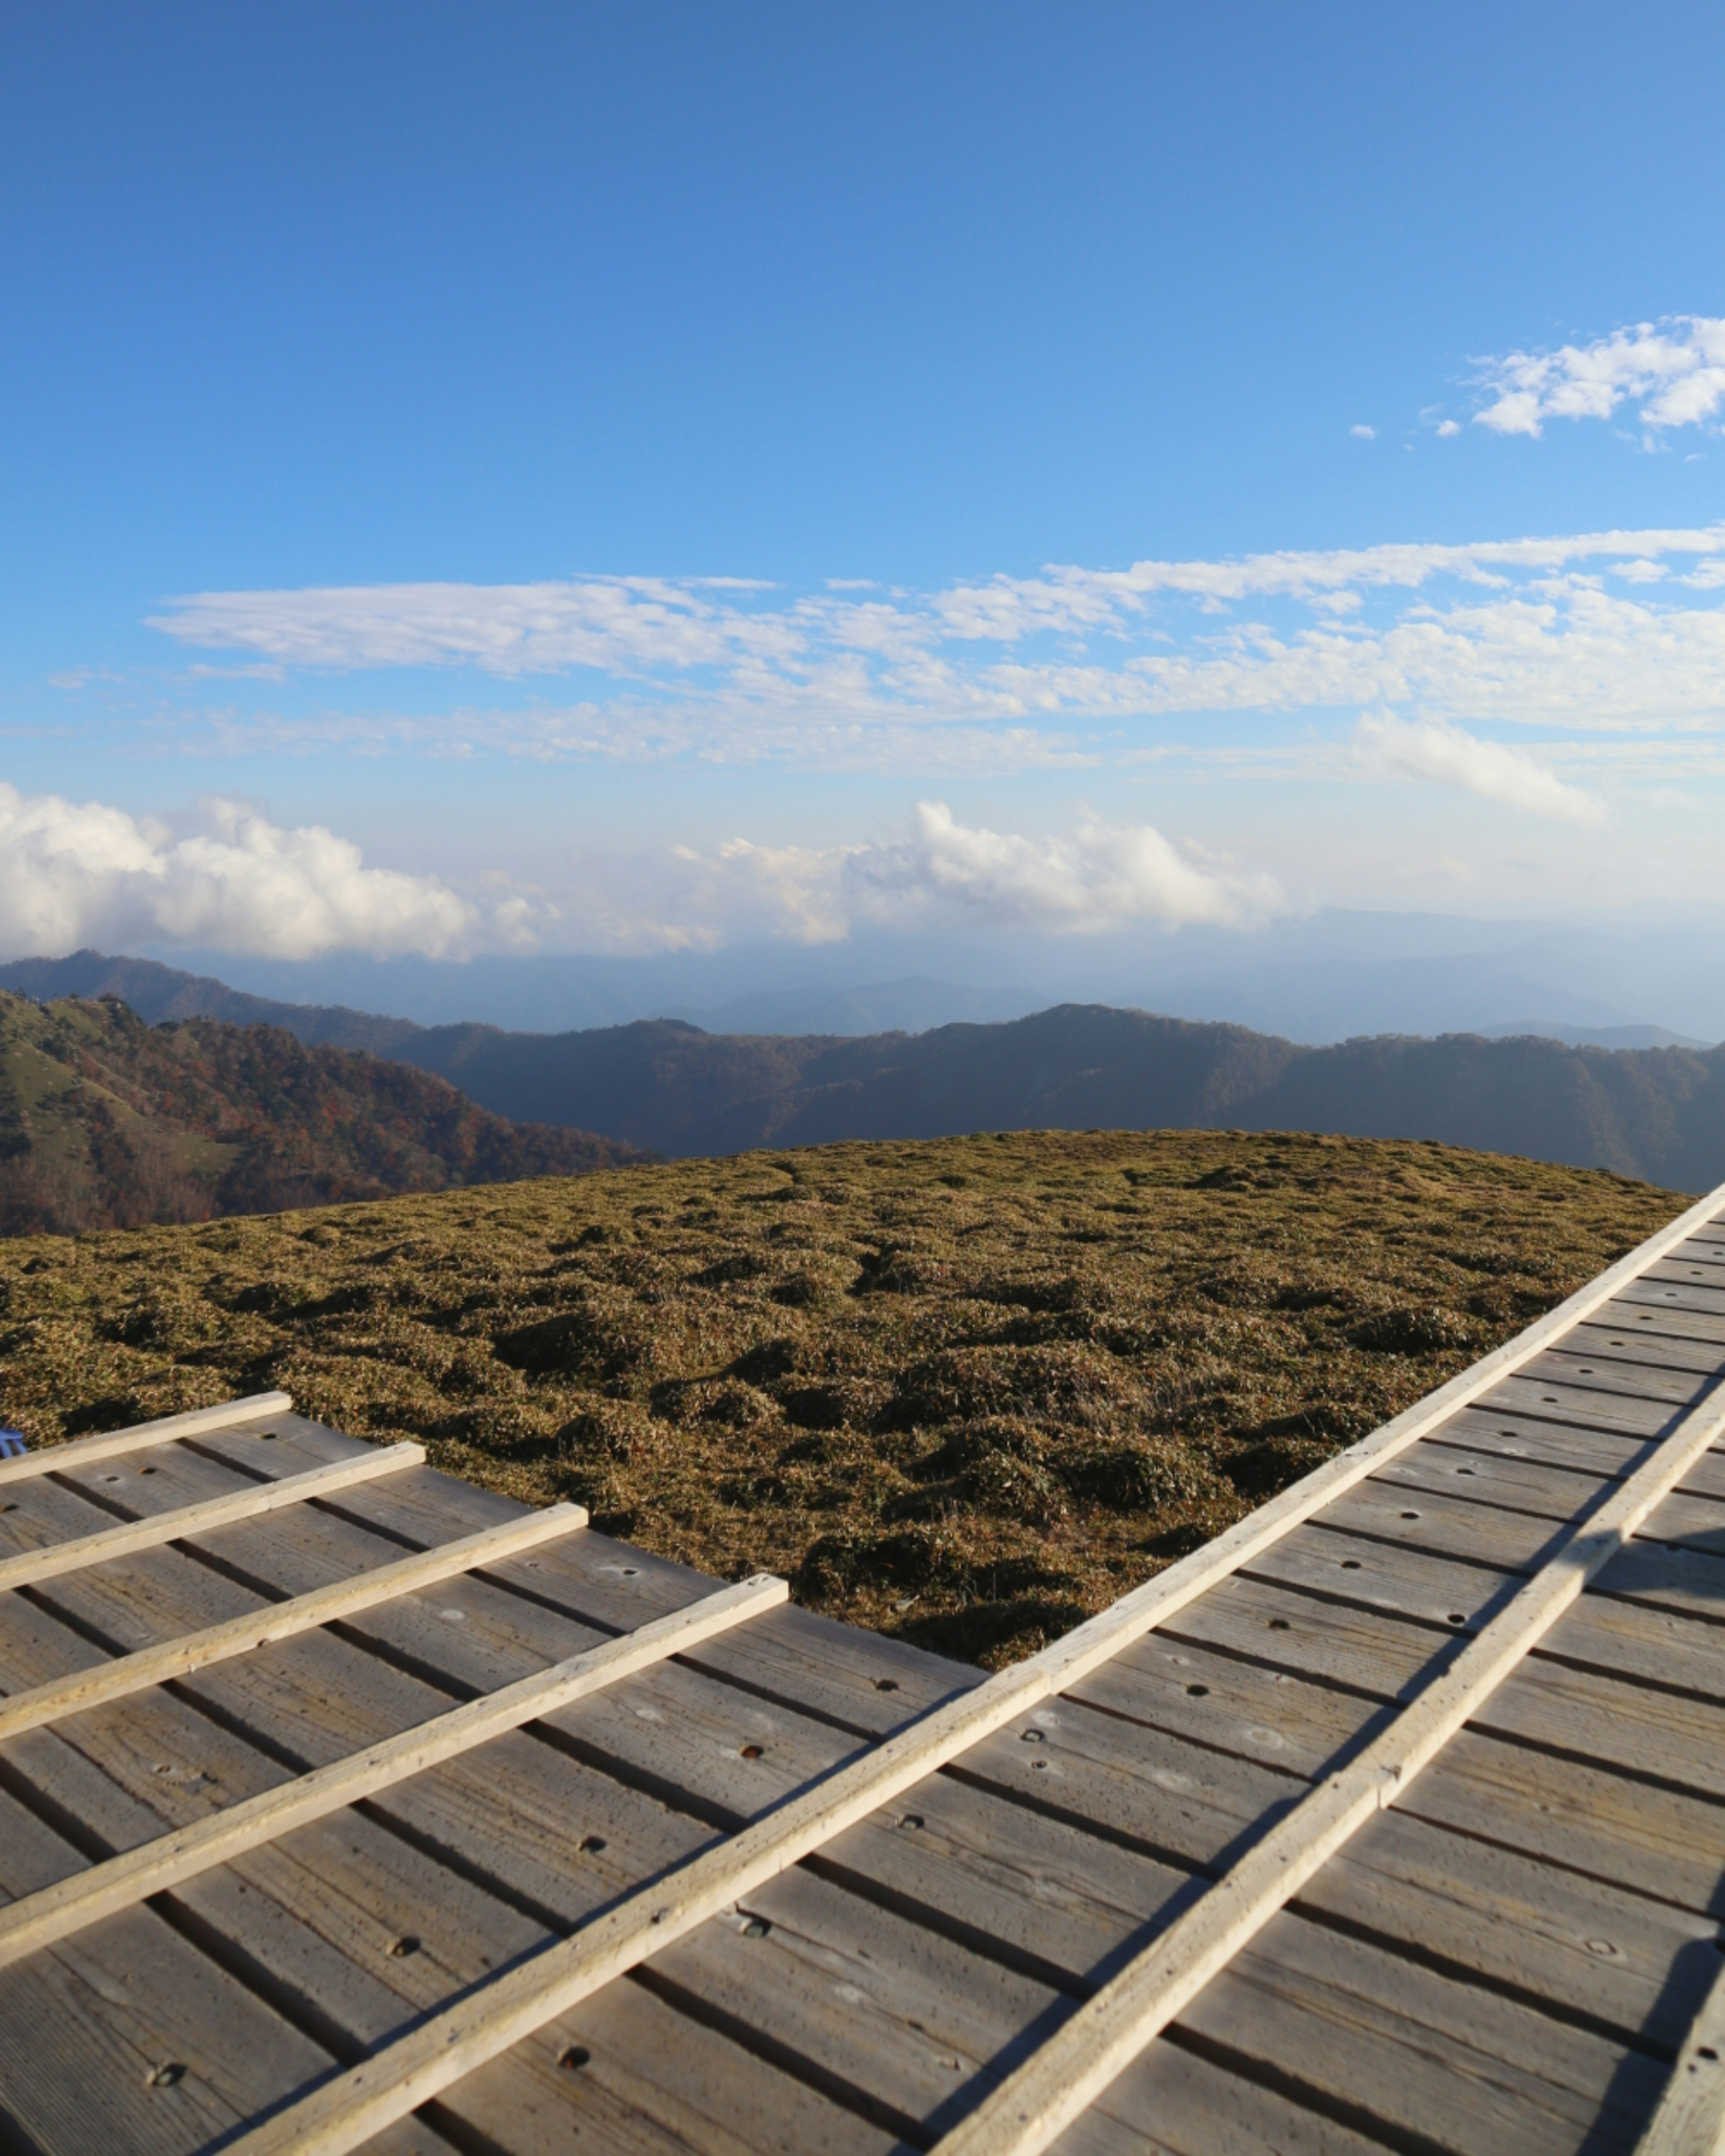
(1033, 2104)
(304, 1613)
(31, 1568)
(69, 1905)
(109, 1444)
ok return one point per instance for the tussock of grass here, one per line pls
(966, 1391)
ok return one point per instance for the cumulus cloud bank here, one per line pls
(1088, 881)
(75, 873)
(1431, 750)
(1675, 369)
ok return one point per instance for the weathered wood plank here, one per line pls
(1175, 2103)
(109, 1444)
(1664, 1843)
(1601, 1453)
(1690, 2120)
(1548, 1399)
(200, 1649)
(1651, 1312)
(121, 1880)
(1362, 1569)
(1027, 2110)
(94, 2032)
(1482, 1477)
(1581, 1371)
(1447, 1526)
(29, 1567)
(1604, 1721)
(643, 2080)
(1408, 2045)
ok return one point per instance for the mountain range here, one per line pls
(107, 1121)
(667, 1086)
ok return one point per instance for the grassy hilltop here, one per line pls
(967, 1390)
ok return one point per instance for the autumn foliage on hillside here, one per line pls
(108, 1122)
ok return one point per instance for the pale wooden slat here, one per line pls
(38, 1919)
(1690, 2120)
(1030, 2109)
(80, 1451)
(347, 2110)
(29, 1567)
(280, 1620)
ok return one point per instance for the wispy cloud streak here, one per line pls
(1608, 631)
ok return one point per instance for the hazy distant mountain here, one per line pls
(158, 992)
(106, 1121)
(1319, 977)
(1657, 1113)
(668, 1086)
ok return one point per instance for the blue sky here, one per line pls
(629, 479)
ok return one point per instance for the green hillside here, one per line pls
(107, 1121)
(967, 1390)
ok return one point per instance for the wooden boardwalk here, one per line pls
(343, 1806)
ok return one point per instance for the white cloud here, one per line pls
(1675, 369)
(1595, 631)
(1100, 876)
(1364, 434)
(1447, 428)
(72, 873)
(1088, 881)
(1432, 750)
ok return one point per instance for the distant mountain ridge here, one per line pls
(664, 1084)
(107, 1121)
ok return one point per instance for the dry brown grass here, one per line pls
(966, 1391)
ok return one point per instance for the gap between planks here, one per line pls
(51, 1559)
(352, 2107)
(53, 1912)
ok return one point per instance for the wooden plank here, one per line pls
(1176, 2102)
(29, 1567)
(1690, 2120)
(80, 1451)
(122, 1881)
(1267, 1715)
(1633, 1347)
(646, 2080)
(1482, 1477)
(1650, 1315)
(888, 2011)
(1690, 1518)
(1606, 1454)
(1646, 1646)
(1441, 2063)
(1548, 1399)
(1033, 2104)
(90, 2029)
(1634, 1727)
(1662, 1843)
(1574, 1365)
(1409, 1582)
(1447, 1526)
(239, 1635)
(1667, 1576)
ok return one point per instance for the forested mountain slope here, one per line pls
(105, 1121)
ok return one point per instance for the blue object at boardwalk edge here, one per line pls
(13, 1442)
